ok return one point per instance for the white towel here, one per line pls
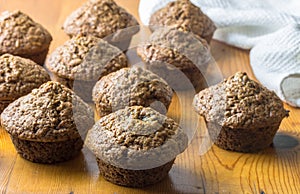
(276, 63)
(269, 27)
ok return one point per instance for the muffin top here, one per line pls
(175, 46)
(21, 35)
(50, 113)
(101, 18)
(85, 58)
(239, 102)
(185, 14)
(136, 138)
(18, 76)
(129, 87)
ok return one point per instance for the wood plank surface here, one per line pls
(274, 170)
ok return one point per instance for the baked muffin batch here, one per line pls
(134, 143)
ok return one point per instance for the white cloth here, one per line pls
(257, 24)
(276, 63)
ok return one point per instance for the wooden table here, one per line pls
(274, 170)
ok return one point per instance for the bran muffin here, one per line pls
(130, 87)
(49, 124)
(136, 146)
(18, 76)
(184, 13)
(83, 60)
(22, 36)
(178, 56)
(241, 114)
(103, 19)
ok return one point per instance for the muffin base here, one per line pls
(47, 152)
(122, 37)
(133, 178)
(82, 88)
(39, 58)
(4, 104)
(242, 140)
(174, 77)
(122, 45)
(208, 38)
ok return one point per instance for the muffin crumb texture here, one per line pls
(144, 135)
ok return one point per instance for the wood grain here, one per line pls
(202, 168)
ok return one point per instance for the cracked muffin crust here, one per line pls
(130, 87)
(184, 13)
(82, 60)
(136, 141)
(48, 124)
(22, 36)
(178, 56)
(103, 19)
(241, 114)
(18, 76)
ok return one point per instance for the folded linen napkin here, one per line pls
(269, 27)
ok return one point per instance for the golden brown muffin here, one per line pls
(81, 61)
(18, 76)
(49, 124)
(131, 87)
(184, 13)
(103, 19)
(136, 146)
(178, 56)
(22, 36)
(241, 114)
